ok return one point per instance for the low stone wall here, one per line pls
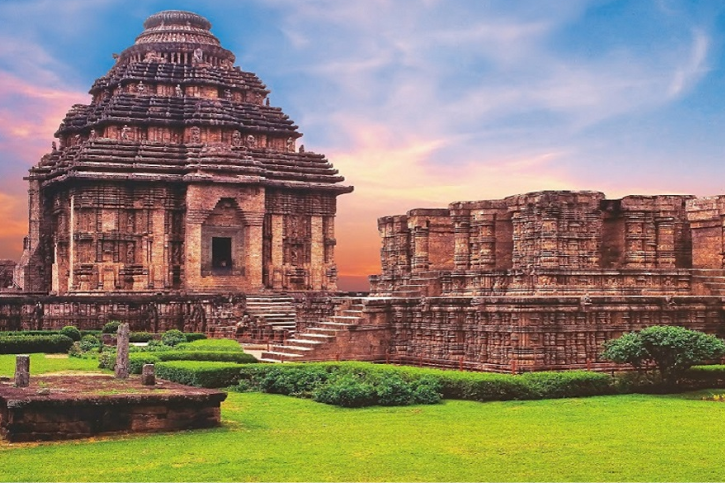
(48, 410)
(509, 334)
(148, 312)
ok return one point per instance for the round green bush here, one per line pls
(426, 390)
(72, 332)
(347, 391)
(89, 343)
(111, 327)
(173, 337)
(392, 390)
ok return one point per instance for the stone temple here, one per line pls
(179, 176)
(179, 198)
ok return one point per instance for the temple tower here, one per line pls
(179, 176)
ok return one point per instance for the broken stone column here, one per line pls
(22, 370)
(148, 375)
(122, 351)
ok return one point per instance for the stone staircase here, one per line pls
(317, 342)
(424, 284)
(712, 280)
(276, 311)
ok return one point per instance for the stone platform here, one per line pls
(80, 406)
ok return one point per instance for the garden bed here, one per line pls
(67, 407)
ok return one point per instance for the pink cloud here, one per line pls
(30, 114)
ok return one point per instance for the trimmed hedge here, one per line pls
(210, 356)
(22, 344)
(192, 336)
(199, 374)
(140, 336)
(397, 384)
(136, 360)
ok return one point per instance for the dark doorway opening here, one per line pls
(221, 253)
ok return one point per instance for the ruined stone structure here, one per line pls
(531, 282)
(179, 177)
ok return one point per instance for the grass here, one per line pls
(45, 363)
(277, 438)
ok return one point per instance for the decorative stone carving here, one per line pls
(195, 135)
(198, 55)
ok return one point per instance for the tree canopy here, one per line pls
(671, 349)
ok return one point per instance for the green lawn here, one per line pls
(267, 437)
(44, 363)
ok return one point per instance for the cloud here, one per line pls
(694, 67)
(29, 115)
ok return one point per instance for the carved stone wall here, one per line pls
(553, 242)
(501, 334)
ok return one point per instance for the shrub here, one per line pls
(20, 344)
(346, 391)
(393, 391)
(173, 337)
(140, 337)
(192, 336)
(672, 349)
(567, 384)
(136, 360)
(213, 356)
(395, 385)
(200, 374)
(89, 343)
(111, 327)
(298, 380)
(75, 350)
(211, 345)
(72, 332)
(426, 390)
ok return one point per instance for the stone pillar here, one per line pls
(253, 250)
(707, 221)
(665, 242)
(122, 351)
(462, 229)
(148, 375)
(276, 271)
(420, 248)
(317, 254)
(22, 370)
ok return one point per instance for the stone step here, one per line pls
(348, 319)
(302, 341)
(320, 337)
(323, 331)
(291, 349)
(333, 325)
(279, 356)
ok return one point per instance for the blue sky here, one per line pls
(417, 102)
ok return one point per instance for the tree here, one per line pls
(671, 349)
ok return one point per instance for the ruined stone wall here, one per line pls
(148, 313)
(707, 222)
(511, 334)
(548, 241)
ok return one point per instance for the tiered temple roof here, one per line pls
(174, 107)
